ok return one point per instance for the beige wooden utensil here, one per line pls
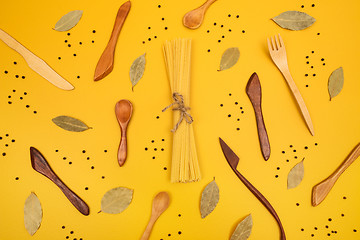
(278, 55)
(123, 111)
(321, 190)
(194, 18)
(160, 204)
(106, 62)
(36, 63)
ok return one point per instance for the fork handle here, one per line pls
(300, 101)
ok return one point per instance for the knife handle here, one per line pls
(78, 203)
(263, 136)
(119, 22)
(18, 47)
(263, 200)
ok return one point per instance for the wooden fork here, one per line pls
(278, 55)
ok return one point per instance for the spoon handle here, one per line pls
(208, 3)
(148, 229)
(322, 189)
(122, 152)
(40, 165)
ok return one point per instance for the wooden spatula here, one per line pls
(39, 164)
(106, 62)
(321, 190)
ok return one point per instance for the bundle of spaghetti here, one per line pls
(185, 165)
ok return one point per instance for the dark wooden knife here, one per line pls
(39, 164)
(233, 161)
(253, 90)
(106, 62)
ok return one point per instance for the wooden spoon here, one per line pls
(39, 164)
(106, 62)
(194, 18)
(123, 111)
(321, 190)
(160, 204)
(253, 90)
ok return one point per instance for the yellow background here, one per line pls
(336, 123)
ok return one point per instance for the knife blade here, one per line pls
(233, 161)
(36, 63)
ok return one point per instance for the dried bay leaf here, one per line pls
(294, 20)
(336, 82)
(116, 200)
(32, 214)
(296, 175)
(209, 199)
(137, 70)
(70, 124)
(68, 21)
(243, 229)
(229, 58)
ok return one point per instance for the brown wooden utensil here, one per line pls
(253, 90)
(233, 161)
(321, 190)
(194, 18)
(123, 112)
(39, 164)
(106, 62)
(160, 204)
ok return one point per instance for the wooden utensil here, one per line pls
(253, 90)
(160, 204)
(123, 112)
(39, 164)
(106, 62)
(233, 161)
(194, 18)
(36, 63)
(278, 55)
(322, 189)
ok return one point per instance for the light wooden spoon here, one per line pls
(160, 204)
(194, 18)
(321, 190)
(123, 111)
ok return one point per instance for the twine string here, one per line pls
(180, 106)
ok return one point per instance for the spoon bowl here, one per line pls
(194, 18)
(123, 112)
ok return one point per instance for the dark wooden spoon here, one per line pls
(106, 62)
(123, 111)
(39, 164)
(253, 90)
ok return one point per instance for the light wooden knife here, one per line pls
(36, 63)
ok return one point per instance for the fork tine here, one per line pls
(281, 41)
(277, 42)
(273, 43)
(269, 45)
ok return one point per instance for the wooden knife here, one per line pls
(105, 64)
(253, 90)
(36, 63)
(233, 161)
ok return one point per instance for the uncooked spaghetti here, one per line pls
(185, 165)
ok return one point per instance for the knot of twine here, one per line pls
(184, 115)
